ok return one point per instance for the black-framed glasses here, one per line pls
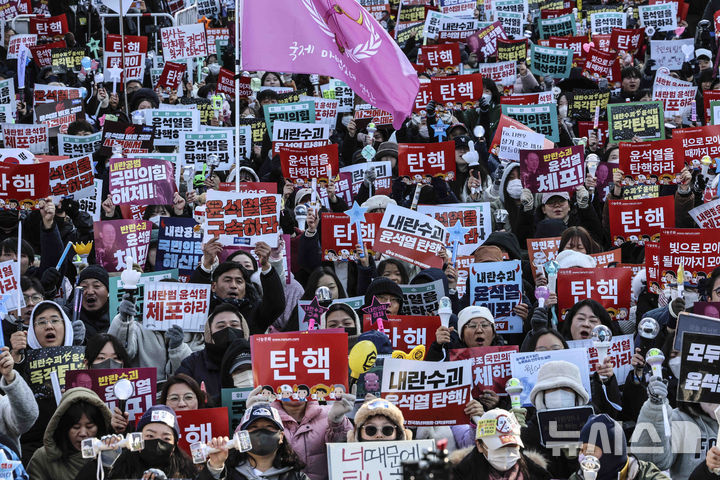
(372, 430)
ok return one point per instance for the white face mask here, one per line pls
(503, 459)
(423, 131)
(559, 399)
(674, 364)
(487, 97)
(243, 379)
(214, 68)
(515, 188)
(155, 219)
(562, 111)
(346, 120)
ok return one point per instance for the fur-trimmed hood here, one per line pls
(530, 455)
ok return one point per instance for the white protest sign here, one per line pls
(503, 73)
(677, 95)
(16, 43)
(376, 460)
(169, 123)
(621, 351)
(525, 367)
(295, 131)
(672, 53)
(9, 286)
(242, 218)
(186, 41)
(603, 23)
(196, 148)
(326, 110)
(707, 215)
(185, 304)
(476, 216)
(76, 145)
(92, 204)
(661, 16)
(513, 140)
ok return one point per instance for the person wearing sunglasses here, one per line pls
(378, 420)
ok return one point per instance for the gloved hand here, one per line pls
(471, 157)
(341, 407)
(483, 105)
(174, 336)
(369, 177)
(657, 390)
(127, 307)
(648, 67)
(78, 332)
(582, 197)
(676, 306)
(255, 397)
(50, 281)
(539, 319)
(430, 108)
(527, 200)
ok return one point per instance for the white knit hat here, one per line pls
(571, 258)
(473, 311)
(377, 202)
(557, 374)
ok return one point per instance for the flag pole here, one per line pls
(237, 96)
(123, 80)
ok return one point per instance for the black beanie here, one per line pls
(95, 272)
(382, 285)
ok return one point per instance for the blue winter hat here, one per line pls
(606, 434)
(160, 414)
(379, 339)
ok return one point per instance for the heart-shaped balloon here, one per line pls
(679, 31)
(587, 46)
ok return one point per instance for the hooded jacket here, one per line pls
(47, 462)
(32, 340)
(18, 409)
(234, 470)
(503, 201)
(681, 451)
(637, 470)
(309, 436)
(474, 465)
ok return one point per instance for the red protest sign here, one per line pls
(440, 56)
(302, 165)
(407, 331)
(503, 123)
(186, 41)
(626, 39)
(423, 97)
(698, 250)
(606, 258)
(42, 54)
(527, 98)
(117, 239)
(216, 34)
(640, 221)
(102, 381)
(72, 177)
(22, 182)
(490, 365)
(300, 358)
(226, 82)
(135, 212)
(652, 266)
(608, 286)
(49, 94)
(598, 62)
(171, 75)
(249, 187)
(709, 96)
(428, 393)
(418, 160)
(49, 26)
(202, 426)
(410, 236)
(378, 115)
(242, 218)
(697, 142)
(584, 128)
(462, 89)
(339, 237)
(146, 181)
(652, 162)
(133, 44)
(573, 43)
(546, 13)
(555, 170)
(541, 251)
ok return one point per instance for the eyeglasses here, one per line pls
(44, 323)
(36, 298)
(372, 430)
(717, 291)
(475, 326)
(187, 398)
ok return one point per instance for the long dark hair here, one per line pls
(98, 342)
(72, 416)
(285, 457)
(596, 308)
(401, 268)
(130, 465)
(532, 340)
(314, 278)
(580, 232)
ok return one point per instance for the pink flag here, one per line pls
(330, 37)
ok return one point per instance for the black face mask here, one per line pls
(221, 341)
(350, 331)
(107, 363)
(156, 452)
(264, 442)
